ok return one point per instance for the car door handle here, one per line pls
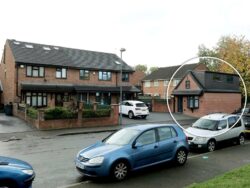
(175, 141)
(155, 146)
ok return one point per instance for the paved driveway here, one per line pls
(155, 117)
(10, 124)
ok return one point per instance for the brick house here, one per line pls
(46, 75)
(156, 83)
(204, 92)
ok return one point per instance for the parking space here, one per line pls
(156, 117)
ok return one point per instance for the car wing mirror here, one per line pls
(219, 128)
(137, 145)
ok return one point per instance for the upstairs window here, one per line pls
(166, 82)
(33, 71)
(104, 75)
(175, 82)
(125, 77)
(230, 79)
(147, 83)
(156, 83)
(61, 73)
(187, 84)
(84, 74)
(217, 77)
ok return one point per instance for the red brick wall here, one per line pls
(161, 106)
(214, 102)
(161, 89)
(137, 77)
(8, 82)
(40, 124)
(193, 84)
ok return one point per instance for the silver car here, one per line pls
(212, 129)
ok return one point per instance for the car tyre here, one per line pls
(144, 117)
(120, 170)
(181, 157)
(130, 115)
(211, 145)
(241, 139)
(8, 184)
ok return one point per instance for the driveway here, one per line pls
(11, 124)
(156, 117)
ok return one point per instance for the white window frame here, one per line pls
(147, 83)
(156, 83)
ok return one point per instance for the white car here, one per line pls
(211, 129)
(134, 109)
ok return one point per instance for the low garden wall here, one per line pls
(82, 117)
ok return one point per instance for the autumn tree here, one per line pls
(234, 50)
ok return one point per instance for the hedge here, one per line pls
(59, 113)
(89, 113)
(32, 113)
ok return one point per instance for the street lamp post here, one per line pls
(120, 119)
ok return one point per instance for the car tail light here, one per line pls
(137, 108)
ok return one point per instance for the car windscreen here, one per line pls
(206, 124)
(122, 137)
(140, 105)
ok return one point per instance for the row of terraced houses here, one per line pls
(46, 75)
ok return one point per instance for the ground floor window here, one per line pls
(103, 98)
(36, 99)
(193, 102)
(83, 97)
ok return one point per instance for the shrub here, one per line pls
(89, 113)
(103, 106)
(58, 113)
(32, 112)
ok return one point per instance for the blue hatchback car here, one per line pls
(133, 148)
(15, 173)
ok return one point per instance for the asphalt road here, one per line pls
(52, 159)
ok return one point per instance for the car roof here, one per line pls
(133, 101)
(148, 126)
(219, 116)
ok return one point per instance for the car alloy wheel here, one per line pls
(211, 145)
(181, 157)
(130, 115)
(120, 171)
(241, 140)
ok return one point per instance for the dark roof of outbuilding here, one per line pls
(50, 55)
(166, 73)
(204, 79)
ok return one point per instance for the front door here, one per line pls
(59, 99)
(180, 104)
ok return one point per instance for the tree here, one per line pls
(211, 64)
(152, 69)
(142, 68)
(234, 50)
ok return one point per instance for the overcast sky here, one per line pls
(154, 32)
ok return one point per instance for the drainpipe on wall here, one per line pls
(17, 81)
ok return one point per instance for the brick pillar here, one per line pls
(115, 113)
(79, 114)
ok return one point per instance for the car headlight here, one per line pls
(200, 139)
(96, 160)
(29, 172)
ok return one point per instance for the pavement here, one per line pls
(14, 128)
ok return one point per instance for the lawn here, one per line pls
(239, 178)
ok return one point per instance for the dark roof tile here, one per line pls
(68, 57)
